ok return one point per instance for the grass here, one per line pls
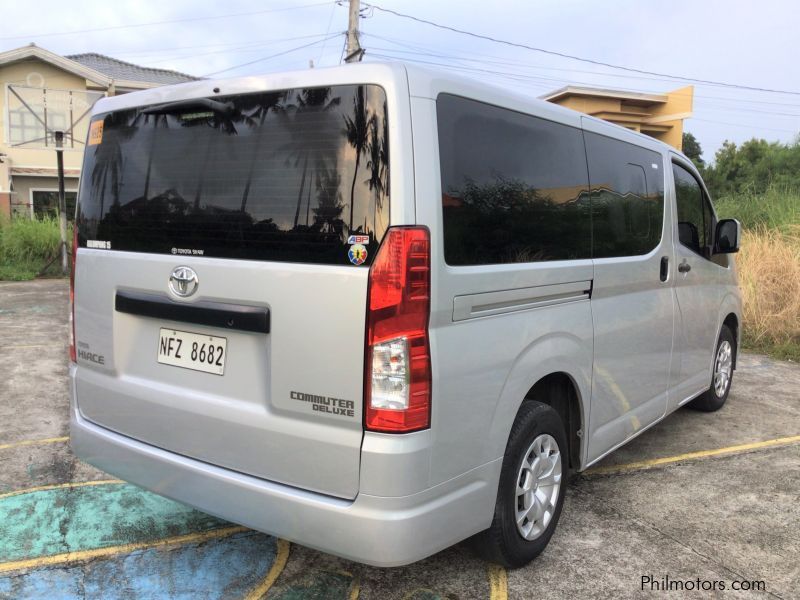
(769, 277)
(27, 245)
(777, 208)
(769, 268)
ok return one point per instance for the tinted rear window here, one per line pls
(282, 176)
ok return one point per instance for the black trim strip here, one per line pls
(213, 314)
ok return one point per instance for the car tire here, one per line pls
(721, 375)
(536, 460)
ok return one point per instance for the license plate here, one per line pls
(192, 351)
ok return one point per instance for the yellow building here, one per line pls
(658, 115)
(44, 92)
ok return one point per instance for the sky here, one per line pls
(751, 44)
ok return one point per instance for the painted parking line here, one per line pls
(281, 557)
(53, 440)
(355, 589)
(689, 456)
(498, 582)
(112, 551)
(318, 584)
(60, 486)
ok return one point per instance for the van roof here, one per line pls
(422, 81)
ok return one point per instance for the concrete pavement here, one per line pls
(708, 519)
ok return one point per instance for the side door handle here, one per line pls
(684, 267)
(664, 268)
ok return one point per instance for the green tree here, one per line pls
(753, 166)
(692, 149)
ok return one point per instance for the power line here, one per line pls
(578, 58)
(327, 31)
(541, 78)
(226, 46)
(252, 62)
(259, 47)
(148, 24)
(434, 52)
(422, 51)
(520, 77)
(745, 125)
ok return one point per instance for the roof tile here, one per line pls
(118, 69)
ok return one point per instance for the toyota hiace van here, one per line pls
(377, 310)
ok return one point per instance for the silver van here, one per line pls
(377, 310)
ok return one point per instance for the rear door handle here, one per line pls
(684, 267)
(664, 268)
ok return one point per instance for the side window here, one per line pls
(514, 187)
(693, 211)
(627, 184)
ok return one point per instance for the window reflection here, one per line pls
(284, 175)
(515, 187)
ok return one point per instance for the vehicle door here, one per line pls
(632, 301)
(697, 287)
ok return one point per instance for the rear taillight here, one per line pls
(397, 378)
(72, 354)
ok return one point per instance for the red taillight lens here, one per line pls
(72, 354)
(398, 363)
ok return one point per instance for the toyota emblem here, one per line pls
(183, 281)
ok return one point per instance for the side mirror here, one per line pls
(728, 234)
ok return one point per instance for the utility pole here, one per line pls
(62, 200)
(354, 49)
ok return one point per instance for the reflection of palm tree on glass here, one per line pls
(311, 105)
(224, 122)
(357, 129)
(378, 162)
(157, 119)
(255, 121)
(108, 162)
(328, 213)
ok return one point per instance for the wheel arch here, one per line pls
(730, 316)
(557, 371)
(731, 321)
(559, 391)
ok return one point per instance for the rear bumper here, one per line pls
(376, 530)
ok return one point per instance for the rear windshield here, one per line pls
(298, 175)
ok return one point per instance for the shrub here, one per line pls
(27, 246)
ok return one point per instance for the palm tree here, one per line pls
(357, 129)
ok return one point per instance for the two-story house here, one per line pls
(42, 92)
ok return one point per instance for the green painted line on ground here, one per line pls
(72, 519)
